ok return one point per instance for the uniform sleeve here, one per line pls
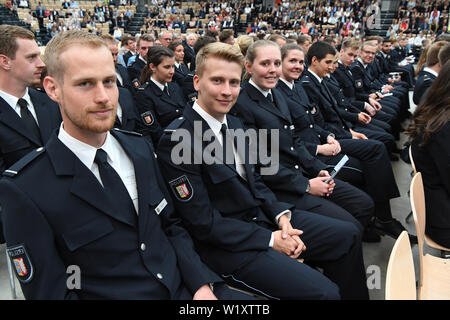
(148, 124)
(193, 271)
(43, 274)
(298, 183)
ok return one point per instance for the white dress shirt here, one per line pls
(117, 158)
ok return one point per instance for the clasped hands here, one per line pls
(287, 239)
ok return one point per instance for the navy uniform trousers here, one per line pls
(231, 220)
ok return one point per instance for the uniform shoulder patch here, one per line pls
(175, 124)
(358, 83)
(136, 83)
(23, 162)
(147, 118)
(128, 132)
(182, 188)
(21, 261)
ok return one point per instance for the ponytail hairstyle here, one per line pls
(155, 56)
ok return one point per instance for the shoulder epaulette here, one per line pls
(128, 132)
(174, 124)
(143, 86)
(23, 162)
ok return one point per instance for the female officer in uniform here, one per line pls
(159, 100)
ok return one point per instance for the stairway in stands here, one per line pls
(385, 22)
(138, 20)
(7, 17)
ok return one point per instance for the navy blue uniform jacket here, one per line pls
(15, 140)
(66, 219)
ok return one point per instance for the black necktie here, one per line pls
(115, 190)
(166, 90)
(269, 97)
(227, 140)
(28, 118)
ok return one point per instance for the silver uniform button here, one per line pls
(307, 111)
(143, 246)
(292, 148)
(285, 127)
(311, 126)
(159, 275)
(296, 166)
(177, 110)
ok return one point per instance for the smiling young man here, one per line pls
(239, 227)
(103, 205)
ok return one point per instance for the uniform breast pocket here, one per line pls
(86, 235)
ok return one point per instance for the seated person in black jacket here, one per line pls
(135, 68)
(430, 135)
(181, 70)
(159, 100)
(429, 73)
(379, 176)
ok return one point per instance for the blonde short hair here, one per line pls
(218, 50)
(61, 42)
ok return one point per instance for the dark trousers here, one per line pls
(333, 245)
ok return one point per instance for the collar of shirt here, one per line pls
(431, 71)
(362, 62)
(86, 153)
(315, 75)
(212, 122)
(264, 92)
(12, 101)
(140, 57)
(289, 84)
(177, 65)
(383, 54)
(161, 86)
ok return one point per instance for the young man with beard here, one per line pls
(102, 206)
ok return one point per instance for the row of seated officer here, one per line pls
(216, 186)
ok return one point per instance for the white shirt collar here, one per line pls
(315, 75)
(12, 100)
(434, 73)
(362, 62)
(161, 86)
(212, 122)
(264, 92)
(83, 151)
(289, 84)
(140, 57)
(177, 65)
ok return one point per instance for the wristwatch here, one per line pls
(308, 188)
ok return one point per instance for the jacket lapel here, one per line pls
(11, 119)
(263, 102)
(84, 184)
